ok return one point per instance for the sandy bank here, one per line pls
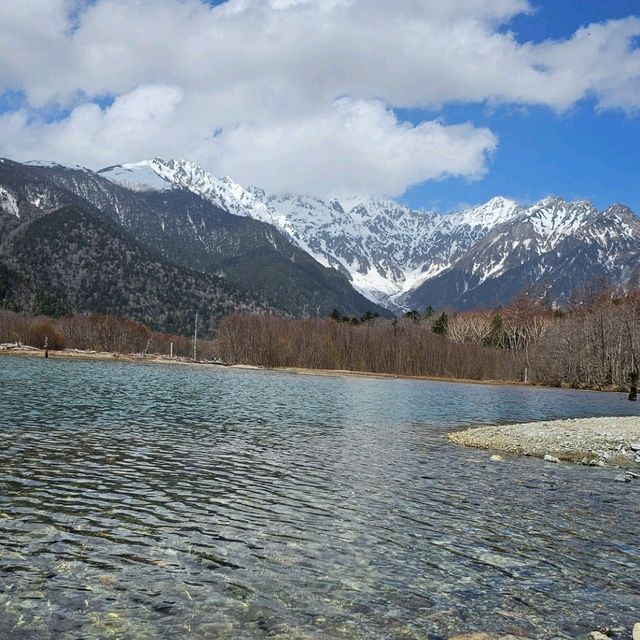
(591, 440)
(78, 354)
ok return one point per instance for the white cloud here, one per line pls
(93, 136)
(288, 83)
(353, 147)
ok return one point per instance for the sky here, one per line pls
(437, 104)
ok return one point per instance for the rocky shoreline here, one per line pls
(589, 441)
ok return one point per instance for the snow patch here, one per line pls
(138, 176)
(9, 203)
(51, 164)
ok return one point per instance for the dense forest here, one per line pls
(592, 343)
(76, 261)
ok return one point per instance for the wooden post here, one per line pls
(171, 352)
(633, 390)
(46, 346)
(195, 340)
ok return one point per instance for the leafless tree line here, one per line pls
(401, 347)
(591, 344)
(594, 345)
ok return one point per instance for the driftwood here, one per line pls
(11, 346)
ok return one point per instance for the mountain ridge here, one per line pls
(403, 258)
(250, 260)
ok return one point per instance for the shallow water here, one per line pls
(181, 502)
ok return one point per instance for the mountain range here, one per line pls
(404, 258)
(154, 255)
(157, 240)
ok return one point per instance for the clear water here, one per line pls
(181, 502)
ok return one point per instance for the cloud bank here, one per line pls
(297, 95)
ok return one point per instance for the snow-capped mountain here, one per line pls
(243, 262)
(385, 248)
(405, 258)
(558, 245)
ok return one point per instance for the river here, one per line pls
(158, 501)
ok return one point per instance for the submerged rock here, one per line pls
(496, 458)
(549, 458)
(621, 477)
(486, 636)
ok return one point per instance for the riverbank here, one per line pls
(78, 354)
(594, 441)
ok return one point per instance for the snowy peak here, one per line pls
(54, 165)
(488, 215)
(556, 218)
(223, 192)
(139, 176)
(389, 250)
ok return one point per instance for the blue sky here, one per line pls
(582, 153)
(439, 104)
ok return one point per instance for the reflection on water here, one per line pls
(176, 502)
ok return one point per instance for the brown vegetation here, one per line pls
(594, 345)
(591, 344)
(95, 332)
(401, 347)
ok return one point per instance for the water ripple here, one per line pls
(163, 502)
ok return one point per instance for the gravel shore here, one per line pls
(592, 441)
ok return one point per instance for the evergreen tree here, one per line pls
(495, 338)
(369, 316)
(412, 315)
(49, 305)
(440, 324)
